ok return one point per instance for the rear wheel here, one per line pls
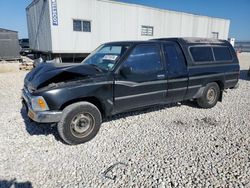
(80, 123)
(210, 96)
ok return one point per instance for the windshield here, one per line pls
(106, 56)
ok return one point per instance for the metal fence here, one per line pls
(242, 46)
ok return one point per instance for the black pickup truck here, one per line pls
(123, 76)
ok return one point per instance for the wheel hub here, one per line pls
(81, 124)
(211, 95)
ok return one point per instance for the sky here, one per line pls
(13, 16)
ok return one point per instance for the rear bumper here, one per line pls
(40, 117)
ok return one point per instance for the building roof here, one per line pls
(7, 30)
(32, 3)
(159, 9)
(139, 5)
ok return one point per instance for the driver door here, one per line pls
(141, 79)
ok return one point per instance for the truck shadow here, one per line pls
(34, 128)
(244, 75)
(13, 184)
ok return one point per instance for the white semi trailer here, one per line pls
(74, 28)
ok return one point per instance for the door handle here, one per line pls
(160, 76)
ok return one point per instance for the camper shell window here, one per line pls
(201, 54)
(222, 54)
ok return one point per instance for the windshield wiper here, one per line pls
(97, 68)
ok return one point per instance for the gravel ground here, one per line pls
(167, 146)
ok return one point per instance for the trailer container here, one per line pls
(9, 46)
(75, 28)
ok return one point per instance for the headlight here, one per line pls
(39, 104)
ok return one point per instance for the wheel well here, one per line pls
(92, 100)
(221, 86)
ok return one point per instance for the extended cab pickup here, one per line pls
(122, 76)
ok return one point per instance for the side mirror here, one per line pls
(126, 71)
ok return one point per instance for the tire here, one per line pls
(80, 123)
(210, 96)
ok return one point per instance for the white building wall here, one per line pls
(115, 21)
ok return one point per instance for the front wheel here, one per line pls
(210, 96)
(80, 123)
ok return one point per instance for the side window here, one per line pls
(144, 59)
(202, 54)
(175, 60)
(77, 25)
(81, 25)
(222, 54)
(147, 30)
(86, 26)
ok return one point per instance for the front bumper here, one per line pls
(40, 117)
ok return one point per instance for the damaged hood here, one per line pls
(48, 73)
